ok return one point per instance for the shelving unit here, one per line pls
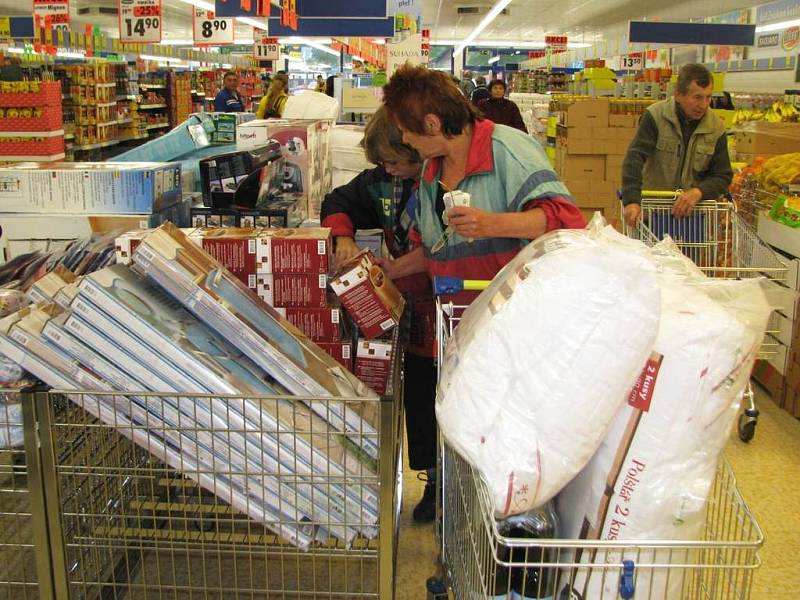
(31, 121)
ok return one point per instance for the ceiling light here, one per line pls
(380, 41)
(490, 16)
(312, 43)
(777, 26)
(494, 59)
(506, 43)
(161, 59)
(70, 54)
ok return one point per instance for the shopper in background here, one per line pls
(228, 98)
(680, 145)
(385, 197)
(499, 109)
(514, 193)
(467, 85)
(272, 104)
(320, 85)
(481, 92)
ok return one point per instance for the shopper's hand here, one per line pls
(686, 202)
(388, 265)
(470, 222)
(631, 213)
(345, 249)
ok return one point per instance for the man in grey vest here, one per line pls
(680, 145)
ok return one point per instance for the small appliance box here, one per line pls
(368, 295)
(292, 290)
(90, 188)
(276, 251)
(318, 324)
(341, 351)
(374, 363)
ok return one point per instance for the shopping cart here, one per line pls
(480, 563)
(722, 245)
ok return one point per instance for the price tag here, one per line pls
(139, 21)
(211, 30)
(632, 62)
(267, 48)
(54, 12)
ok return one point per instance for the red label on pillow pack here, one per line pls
(642, 392)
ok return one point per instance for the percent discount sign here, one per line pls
(267, 48)
(210, 30)
(139, 21)
(56, 10)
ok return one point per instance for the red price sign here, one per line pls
(555, 40)
(53, 13)
(140, 21)
(147, 11)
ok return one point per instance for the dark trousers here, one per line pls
(419, 397)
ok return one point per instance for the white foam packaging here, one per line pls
(541, 362)
(652, 475)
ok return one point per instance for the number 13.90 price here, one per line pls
(140, 26)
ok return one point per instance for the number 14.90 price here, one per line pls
(140, 26)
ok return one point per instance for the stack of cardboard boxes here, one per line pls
(761, 138)
(179, 97)
(590, 146)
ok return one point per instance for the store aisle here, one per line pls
(768, 472)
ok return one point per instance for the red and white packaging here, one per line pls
(341, 351)
(368, 295)
(374, 363)
(293, 291)
(318, 324)
(126, 243)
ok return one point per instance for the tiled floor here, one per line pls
(768, 473)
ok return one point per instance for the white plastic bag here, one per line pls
(311, 105)
(651, 476)
(540, 363)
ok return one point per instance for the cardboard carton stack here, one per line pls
(761, 138)
(306, 148)
(590, 146)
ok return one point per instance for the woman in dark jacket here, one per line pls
(499, 109)
(385, 197)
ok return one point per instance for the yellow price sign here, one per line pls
(5, 28)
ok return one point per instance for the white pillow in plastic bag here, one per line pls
(346, 150)
(311, 105)
(541, 361)
(651, 476)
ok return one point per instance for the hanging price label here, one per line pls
(632, 61)
(139, 21)
(53, 12)
(267, 48)
(210, 30)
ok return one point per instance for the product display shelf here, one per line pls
(31, 120)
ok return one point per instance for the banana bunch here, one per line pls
(779, 171)
(785, 112)
(778, 112)
(743, 115)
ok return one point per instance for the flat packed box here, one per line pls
(613, 170)
(374, 363)
(761, 137)
(292, 290)
(624, 121)
(368, 295)
(595, 193)
(581, 167)
(126, 243)
(342, 352)
(277, 251)
(318, 324)
(90, 188)
(46, 288)
(586, 113)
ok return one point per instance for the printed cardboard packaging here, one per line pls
(374, 363)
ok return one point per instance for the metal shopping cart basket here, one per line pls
(479, 563)
(722, 245)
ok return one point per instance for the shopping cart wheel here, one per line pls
(437, 588)
(747, 424)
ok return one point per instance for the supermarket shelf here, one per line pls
(104, 85)
(196, 93)
(152, 87)
(33, 158)
(69, 136)
(127, 97)
(44, 134)
(96, 146)
(107, 123)
(158, 125)
(104, 104)
(151, 106)
(134, 137)
(123, 121)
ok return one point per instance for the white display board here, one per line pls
(140, 21)
(210, 30)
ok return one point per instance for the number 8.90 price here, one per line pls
(210, 27)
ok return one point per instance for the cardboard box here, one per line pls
(90, 188)
(374, 363)
(624, 121)
(761, 137)
(371, 298)
(341, 351)
(46, 288)
(291, 290)
(613, 171)
(587, 113)
(318, 324)
(581, 167)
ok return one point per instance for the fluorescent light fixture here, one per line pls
(490, 16)
(778, 26)
(161, 59)
(494, 59)
(69, 54)
(309, 42)
(199, 4)
(187, 42)
(506, 44)
(380, 41)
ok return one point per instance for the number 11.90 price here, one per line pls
(140, 26)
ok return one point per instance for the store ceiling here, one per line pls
(581, 20)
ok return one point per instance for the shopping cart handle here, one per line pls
(627, 586)
(443, 286)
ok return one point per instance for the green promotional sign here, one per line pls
(379, 79)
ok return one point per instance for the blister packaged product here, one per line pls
(652, 475)
(11, 301)
(540, 363)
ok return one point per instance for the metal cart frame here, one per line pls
(723, 245)
(720, 565)
(109, 519)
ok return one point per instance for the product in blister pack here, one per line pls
(541, 361)
(651, 476)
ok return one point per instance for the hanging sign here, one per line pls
(426, 46)
(556, 42)
(632, 62)
(789, 38)
(139, 21)
(210, 30)
(289, 14)
(5, 29)
(267, 48)
(55, 12)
